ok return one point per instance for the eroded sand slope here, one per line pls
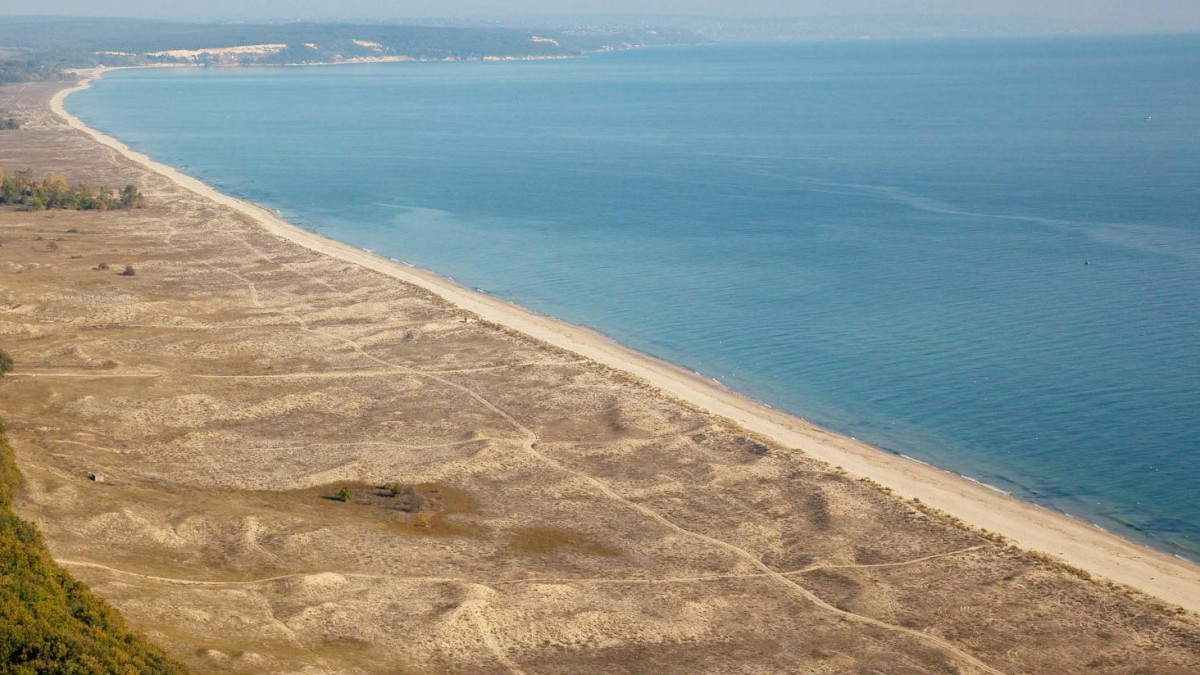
(554, 516)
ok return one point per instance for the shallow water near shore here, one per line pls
(984, 255)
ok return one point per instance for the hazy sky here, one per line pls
(1105, 15)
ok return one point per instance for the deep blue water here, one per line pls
(887, 239)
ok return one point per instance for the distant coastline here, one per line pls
(51, 44)
(1078, 543)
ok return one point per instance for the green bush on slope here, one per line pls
(50, 623)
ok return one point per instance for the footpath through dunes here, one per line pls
(311, 467)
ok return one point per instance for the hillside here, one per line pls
(50, 623)
(31, 42)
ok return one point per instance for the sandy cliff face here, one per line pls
(223, 55)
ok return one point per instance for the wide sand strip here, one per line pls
(1075, 542)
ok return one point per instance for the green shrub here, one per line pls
(6, 363)
(345, 494)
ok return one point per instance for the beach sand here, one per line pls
(589, 507)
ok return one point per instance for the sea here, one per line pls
(981, 254)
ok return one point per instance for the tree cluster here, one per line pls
(28, 70)
(9, 124)
(24, 190)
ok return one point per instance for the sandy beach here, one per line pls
(313, 463)
(1077, 543)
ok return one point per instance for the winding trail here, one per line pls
(252, 582)
(325, 375)
(490, 583)
(904, 563)
(477, 600)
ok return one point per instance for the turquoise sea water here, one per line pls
(886, 239)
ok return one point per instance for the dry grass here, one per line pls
(529, 541)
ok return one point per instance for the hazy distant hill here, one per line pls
(83, 42)
(886, 27)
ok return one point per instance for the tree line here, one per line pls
(28, 70)
(23, 190)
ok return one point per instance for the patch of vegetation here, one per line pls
(753, 447)
(9, 124)
(35, 69)
(6, 363)
(404, 498)
(23, 190)
(427, 509)
(50, 623)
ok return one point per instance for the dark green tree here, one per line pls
(130, 197)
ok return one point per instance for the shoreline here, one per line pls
(1027, 525)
